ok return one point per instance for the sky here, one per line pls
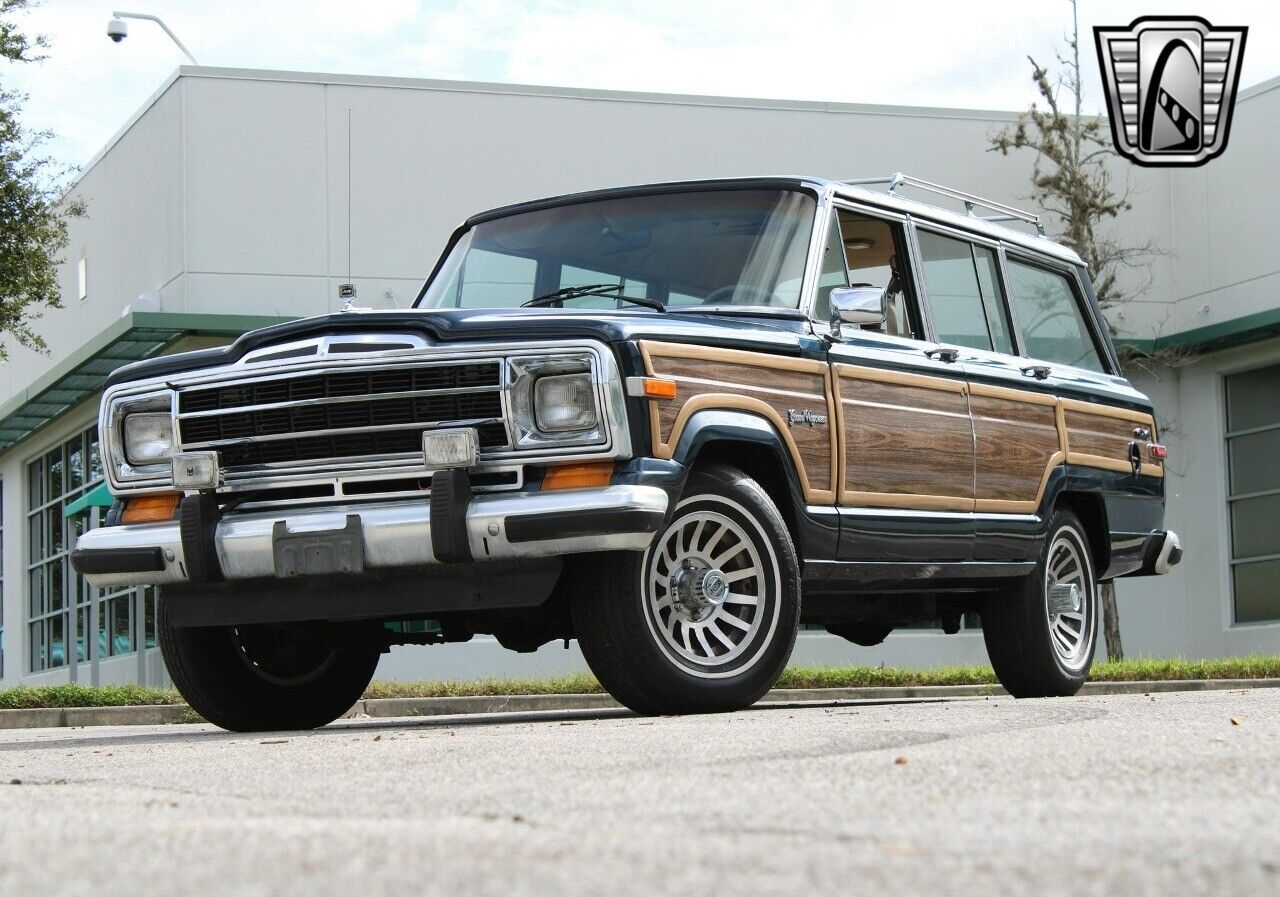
(908, 52)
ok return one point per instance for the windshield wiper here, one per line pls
(611, 290)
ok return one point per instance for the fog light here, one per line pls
(443, 449)
(195, 470)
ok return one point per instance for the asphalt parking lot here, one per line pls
(1130, 794)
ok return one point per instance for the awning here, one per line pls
(135, 336)
(97, 497)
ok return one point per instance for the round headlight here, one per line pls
(148, 438)
(564, 402)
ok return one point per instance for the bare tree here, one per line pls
(1072, 178)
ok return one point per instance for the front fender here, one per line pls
(724, 425)
(816, 535)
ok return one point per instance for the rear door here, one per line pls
(1017, 440)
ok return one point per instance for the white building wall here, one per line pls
(131, 238)
(1224, 251)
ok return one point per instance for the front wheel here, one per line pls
(265, 677)
(703, 621)
(1041, 633)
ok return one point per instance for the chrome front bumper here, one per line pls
(498, 526)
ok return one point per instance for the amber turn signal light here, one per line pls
(578, 476)
(659, 389)
(651, 387)
(150, 508)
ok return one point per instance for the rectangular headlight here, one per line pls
(564, 403)
(148, 437)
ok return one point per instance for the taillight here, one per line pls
(1157, 451)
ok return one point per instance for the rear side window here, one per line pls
(964, 293)
(1053, 324)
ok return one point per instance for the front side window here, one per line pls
(1053, 324)
(963, 287)
(1253, 492)
(703, 248)
(863, 251)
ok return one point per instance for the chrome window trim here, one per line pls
(813, 261)
(609, 394)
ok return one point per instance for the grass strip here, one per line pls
(1142, 670)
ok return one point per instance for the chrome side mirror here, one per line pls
(857, 306)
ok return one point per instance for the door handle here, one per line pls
(1039, 371)
(944, 353)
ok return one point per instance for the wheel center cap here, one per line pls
(1065, 598)
(697, 591)
(714, 587)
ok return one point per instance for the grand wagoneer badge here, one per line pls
(805, 418)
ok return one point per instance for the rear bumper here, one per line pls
(497, 527)
(1161, 552)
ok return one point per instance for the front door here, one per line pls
(905, 486)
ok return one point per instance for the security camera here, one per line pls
(117, 30)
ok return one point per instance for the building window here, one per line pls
(1253, 492)
(82, 279)
(65, 613)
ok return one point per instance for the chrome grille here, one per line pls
(341, 415)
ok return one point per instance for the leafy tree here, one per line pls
(1073, 178)
(33, 212)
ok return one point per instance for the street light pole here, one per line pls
(150, 18)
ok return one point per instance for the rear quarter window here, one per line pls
(1053, 323)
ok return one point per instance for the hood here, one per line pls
(776, 333)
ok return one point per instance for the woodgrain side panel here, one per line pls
(768, 385)
(908, 442)
(1017, 443)
(1099, 436)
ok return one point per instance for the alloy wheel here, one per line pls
(709, 589)
(1070, 603)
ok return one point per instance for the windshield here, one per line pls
(706, 248)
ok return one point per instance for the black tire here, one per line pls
(1029, 657)
(620, 627)
(293, 681)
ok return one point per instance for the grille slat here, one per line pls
(312, 410)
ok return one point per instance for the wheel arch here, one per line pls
(751, 443)
(1092, 511)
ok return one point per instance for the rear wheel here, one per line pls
(704, 620)
(266, 677)
(1041, 634)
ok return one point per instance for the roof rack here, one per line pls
(1006, 213)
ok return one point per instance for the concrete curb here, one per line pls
(387, 708)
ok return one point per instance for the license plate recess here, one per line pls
(318, 553)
